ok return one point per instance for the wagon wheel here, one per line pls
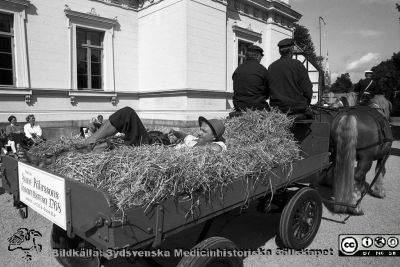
(300, 219)
(60, 241)
(212, 243)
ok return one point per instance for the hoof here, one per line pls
(378, 192)
(361, 188)
(349, 210)
(356, 211)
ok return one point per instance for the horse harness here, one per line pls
(380, 119)
(383, 135)
(378, 108)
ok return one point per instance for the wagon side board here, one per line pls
(90, 215)
(87, 209)
(149, 229)
(313, 137)
(10, 171)
(143, 228)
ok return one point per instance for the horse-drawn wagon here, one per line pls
(83, 217)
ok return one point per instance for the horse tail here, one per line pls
(344, 164)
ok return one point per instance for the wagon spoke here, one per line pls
(310, 213)
(303, 231)
(302, 217)
(296, 228)
(305, 207)
(304, 220)
(306, 229)
(296, 232)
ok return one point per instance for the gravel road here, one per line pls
(248, 230)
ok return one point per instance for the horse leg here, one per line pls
(363, 166)
(377, 189)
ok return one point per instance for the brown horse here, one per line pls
(358, 135)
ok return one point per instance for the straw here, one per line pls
(257, 142)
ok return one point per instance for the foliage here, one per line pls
(342, 84)
(398, 7)
(303, 39)
(387, 75)
(396, 60)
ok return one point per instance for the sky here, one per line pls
(358, 34)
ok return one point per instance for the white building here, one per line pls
(314, 72)
(171, 60)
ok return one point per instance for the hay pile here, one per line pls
(257, 142)
(54, 147)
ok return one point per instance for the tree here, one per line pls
(303, 39)
(398, 8)
(342, 84)
(387, 74)
(396, 60)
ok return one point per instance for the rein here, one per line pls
(327, 110)
(381, 141)
(335, 111)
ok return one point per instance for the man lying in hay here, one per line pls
(127, 121)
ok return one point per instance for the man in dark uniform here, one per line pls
(366, 88)
(289, 83)
(250, 82)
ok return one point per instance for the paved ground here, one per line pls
(381, 217)
(248, 230)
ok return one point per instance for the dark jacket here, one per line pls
(362, 85)
(14, 129)
(290, 85)
(250, 86)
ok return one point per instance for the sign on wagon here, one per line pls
(43, 192)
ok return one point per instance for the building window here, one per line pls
(6, 49)
(242, 50)
(92, 60)
(13, 51)
(89, 58)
